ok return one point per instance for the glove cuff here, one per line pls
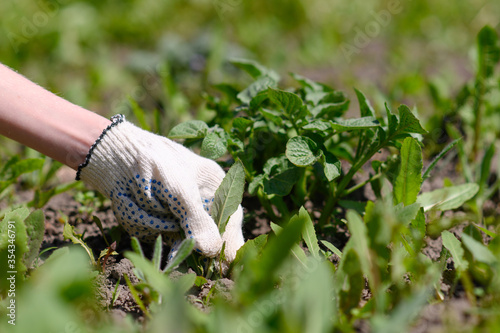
(115, 120)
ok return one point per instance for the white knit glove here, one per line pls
(158, 186)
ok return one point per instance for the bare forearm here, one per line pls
(45, 122)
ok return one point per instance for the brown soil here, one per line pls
(454, 309)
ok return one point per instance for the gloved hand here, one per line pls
(158, 186)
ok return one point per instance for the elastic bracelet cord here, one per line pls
(115, 120)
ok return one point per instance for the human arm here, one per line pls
(156, 185)
(39, 119)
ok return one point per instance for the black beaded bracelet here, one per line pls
(115, 120)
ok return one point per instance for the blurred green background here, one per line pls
(165, 54)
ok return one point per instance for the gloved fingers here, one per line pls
(233, 235)
(209, 176)
(144, 225)
(174, 241)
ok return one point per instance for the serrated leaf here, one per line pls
(302, 151)
(13, 232)
(213, 146)
(35, 228)
(408, 123)
(354, 124)
(309, 234)
(289, 102)
(448, 198)
(409, 178)
(479, 251)
(228, 196)
(192, 129)
(332, 248)
(183, 252)
(365, 107)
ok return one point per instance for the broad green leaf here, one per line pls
(193, 129)
(242, 124)
(13, 235)
(330, 110)
(24, 166)
(331, 166)
(405, 214)
(253, 245)
(289, 102)
(418, 223)
(35, 228)
(438, 157)
(332, 248)
(228, 196)
(309, 234)
(479, 251)
(488, 46)
(281, 183)
(302, 151)
(365, 107)
(408, 123)
(354, 124)
(256, 182)
(321, 126)
(261, 84)
(452, 244)
(183, 252)
(213, 146)
(280, 175)
(409, 178)
(448, 198)
(296, 250)
(253, 68)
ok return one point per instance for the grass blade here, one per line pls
(184, 251)
(157, 253)
(439, 157)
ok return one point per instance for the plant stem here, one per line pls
(360, 185)
(264, 201)
(478, 101)
(329, 207)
